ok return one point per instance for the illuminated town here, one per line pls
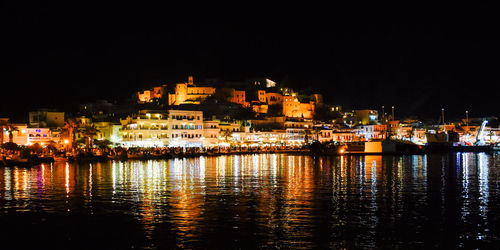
(352, 125)
(208, 118)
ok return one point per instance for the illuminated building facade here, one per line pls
(298, 135)
(230, 126)
(293, 108)
(186, 128)
(402, 132)
(305, 124)
(147, 129)
(151, 94)
(274, 98)
(19, 133)
(261, 96)
(211, 132)
(348, 136)
(374, 132)
(267, 138)
(46, 119)
(38, 135)
(270, 98)
(238, 96)
(189, 93)
(298, 131)
(325, 135)
(108, 131)
(260, 108)
(175, 128)
(366, 116)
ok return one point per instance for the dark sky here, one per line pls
(419, 58)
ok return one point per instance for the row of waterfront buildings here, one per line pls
(180, 122)
(187, 128)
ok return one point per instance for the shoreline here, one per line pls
(173, 155)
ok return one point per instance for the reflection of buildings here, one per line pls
(285, 196)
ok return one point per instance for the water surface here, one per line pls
(255, 201)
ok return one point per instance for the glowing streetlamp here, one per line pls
(467, 118)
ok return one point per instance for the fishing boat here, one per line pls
(135, 156)
(11, 161)
(60, 158)
(119, 156)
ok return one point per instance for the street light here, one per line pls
(467, 118)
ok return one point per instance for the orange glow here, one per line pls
(67, 178)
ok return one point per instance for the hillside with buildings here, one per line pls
(253, 113)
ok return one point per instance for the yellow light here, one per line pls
(66, 141)
(42, 143)
(341, 151)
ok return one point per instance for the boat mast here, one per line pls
(442, 115)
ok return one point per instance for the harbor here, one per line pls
(383, 147)
(239, 126)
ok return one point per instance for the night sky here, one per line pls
(57, 56)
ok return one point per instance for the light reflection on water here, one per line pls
(273, 200)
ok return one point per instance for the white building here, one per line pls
(147, 129)
(325, 135)
(39, 135)
(108, 131)
(177, 128)
(211, 131)
(374, 132)
(186, 128)
(19, 136)
(271, 138)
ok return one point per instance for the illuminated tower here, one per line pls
(180, 93)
